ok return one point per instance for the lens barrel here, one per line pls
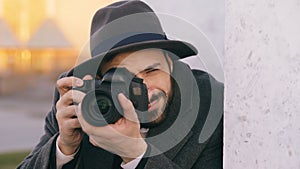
(99, 109)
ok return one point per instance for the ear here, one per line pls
(168, 60)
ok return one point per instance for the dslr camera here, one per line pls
(101, 106)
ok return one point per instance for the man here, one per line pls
(128, 34)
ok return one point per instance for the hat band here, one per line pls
(107, 45)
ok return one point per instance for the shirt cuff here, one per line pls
(61, 158)
(132, 164)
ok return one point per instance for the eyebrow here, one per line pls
(152, 66)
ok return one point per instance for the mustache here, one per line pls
(157, 96)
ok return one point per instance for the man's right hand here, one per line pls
(70, 133)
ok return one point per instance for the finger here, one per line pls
(70, 125)
(88, 77)
(73, 123)
(77, 96)
(70, 97)
(67, 112)
(65, 84)
(128, 109)
(86, 127)
(64, 102)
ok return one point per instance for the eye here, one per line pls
(150, 70)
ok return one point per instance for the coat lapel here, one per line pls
(175, 150)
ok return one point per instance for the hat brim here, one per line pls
(179, 49)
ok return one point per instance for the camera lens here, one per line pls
(98, 108)
(104, 104)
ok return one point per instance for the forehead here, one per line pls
(137, 60)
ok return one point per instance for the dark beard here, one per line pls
(152, 118)
(171, 111)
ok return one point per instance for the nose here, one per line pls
(139, 75)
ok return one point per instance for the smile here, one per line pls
(152, 105)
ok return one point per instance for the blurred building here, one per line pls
(46, 36)
(31, 43)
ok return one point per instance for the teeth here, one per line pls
(152, 103)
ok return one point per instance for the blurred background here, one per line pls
(39, 39)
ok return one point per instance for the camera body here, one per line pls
(101, 106)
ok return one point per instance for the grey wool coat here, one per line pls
(188, 153)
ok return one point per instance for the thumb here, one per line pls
(128, 109)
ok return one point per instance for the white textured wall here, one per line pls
(200, 22)
(262, 84)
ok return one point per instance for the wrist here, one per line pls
(137, 153)
(66, 149)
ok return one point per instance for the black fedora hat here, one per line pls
(129, 26)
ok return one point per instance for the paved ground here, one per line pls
(22, 115)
